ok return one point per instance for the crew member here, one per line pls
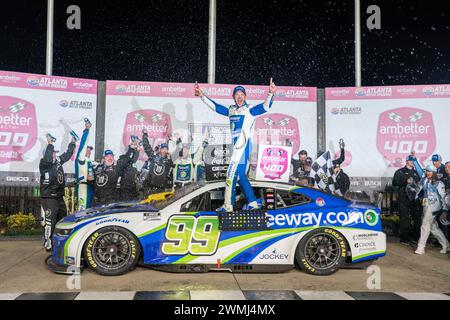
(440, 168)
(298, 165)
(52, 184)
(432, 193)
(107, 176)
(156, 173)
(408, 208)
(341, 181)
(84, 171)
(185, 166)
(127, 182)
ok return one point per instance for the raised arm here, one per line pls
(81, 153)
(267, 104)
(127, 159)
(68, 154)
(197, 157)
(147, 147)
(214, 106)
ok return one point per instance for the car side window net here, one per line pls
(288, 199)
(195, 204)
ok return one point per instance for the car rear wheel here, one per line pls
(321, 252)
(112, 251)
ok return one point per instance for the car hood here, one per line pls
(363, 205)
(109, 209)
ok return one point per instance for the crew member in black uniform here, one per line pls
(52, 184)
(129, 177)
(156, 173)
(107, 175)
(408, 207)
(341, 181)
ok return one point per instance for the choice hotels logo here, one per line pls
(33, 81)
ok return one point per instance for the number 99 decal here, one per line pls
(188, 234)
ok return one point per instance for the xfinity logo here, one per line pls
(274, 255)
(17, 179)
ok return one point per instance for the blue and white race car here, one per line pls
(182, 232)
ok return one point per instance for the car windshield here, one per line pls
(178, 194)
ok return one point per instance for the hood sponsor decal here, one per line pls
(274, 255)
(112, 220)
(316, 219)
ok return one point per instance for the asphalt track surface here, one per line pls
(22, 270)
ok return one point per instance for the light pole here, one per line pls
(357, 43)
(212, 42)
(49, 51)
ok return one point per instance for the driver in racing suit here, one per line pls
(242, 118)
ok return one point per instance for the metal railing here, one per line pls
(27, 200)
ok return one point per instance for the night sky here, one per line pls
(295, 42)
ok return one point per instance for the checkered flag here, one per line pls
(322, 172)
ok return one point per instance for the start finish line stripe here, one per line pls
(225, 295)
(323, 295)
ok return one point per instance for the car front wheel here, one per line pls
(112, 251)
(321, 252)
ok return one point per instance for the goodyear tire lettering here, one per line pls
(302, 256)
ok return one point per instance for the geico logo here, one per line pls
(316, 218)
(17, 179)
(365, 244)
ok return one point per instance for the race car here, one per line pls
(182, 232)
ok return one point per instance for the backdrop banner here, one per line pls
(274, 163)
(171, 110)
(382, 125)
(33, 105)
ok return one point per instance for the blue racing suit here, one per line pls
(84, 190)
(242, 118)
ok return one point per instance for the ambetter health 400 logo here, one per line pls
(157, 123)
(277, 129)
(403, 130)
(18, 129)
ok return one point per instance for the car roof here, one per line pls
(280, 186)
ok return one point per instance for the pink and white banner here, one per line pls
(33, 105)
(274, 163)
(171, 109)
(382, 125)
